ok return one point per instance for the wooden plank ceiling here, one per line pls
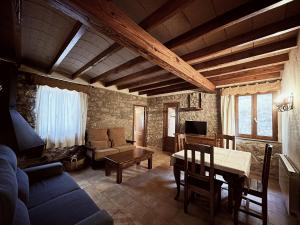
(206, 43)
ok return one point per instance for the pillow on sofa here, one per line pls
(117, 136)
(95, 134)
(21, 214)
(8, 154)
(23, 186)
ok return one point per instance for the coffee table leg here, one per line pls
(150, 163)
(107, 169)
(119, 175)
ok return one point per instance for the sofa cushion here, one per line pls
(50, 188)
(8, 192)
(67, 209)
(100, 144)
(21, 214)
(117, 136)
(101, 153)
(7, 154)
(23, 186)
(124, 148)
(97, 134)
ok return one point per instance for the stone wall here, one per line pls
(26, 95)
(107, 109)
(210, 113)
(257, 149)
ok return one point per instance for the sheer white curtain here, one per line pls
(61, 116)
(228, 114)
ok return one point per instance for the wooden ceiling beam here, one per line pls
(259, 63)
(118, 69)
(149, 80)
(172, 88)
(261, 50)
(258, 77)
(158, 85)
(274, 29)
(132, 76)
(75, 35)
(234, 16)
(166, 11)
(270, 69)
(256, 51)
(106, 18)
(99, 58)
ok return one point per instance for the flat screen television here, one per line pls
(196, 127)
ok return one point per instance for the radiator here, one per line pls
(289, 184)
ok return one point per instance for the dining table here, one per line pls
(233, 165)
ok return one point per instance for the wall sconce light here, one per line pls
(285, 104)
(0, 87)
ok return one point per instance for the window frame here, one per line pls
(253, 134)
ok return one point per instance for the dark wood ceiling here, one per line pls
(226, 42)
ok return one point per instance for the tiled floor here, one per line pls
(146, 197)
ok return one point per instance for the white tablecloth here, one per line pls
(233, 161)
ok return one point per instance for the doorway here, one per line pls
(170, 127)
(139, 125)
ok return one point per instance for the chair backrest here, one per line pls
(266, 167)
(197, 170)
(227, 138)
(181, 140)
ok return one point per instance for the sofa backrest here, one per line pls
(117, 136)
(8, 185)
(98, 138)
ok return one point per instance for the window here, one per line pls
(171, 122)
(255, 117)
(61, 116)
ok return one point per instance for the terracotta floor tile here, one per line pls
(146, 197)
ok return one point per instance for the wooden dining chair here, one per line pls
(181, 140)
(259, 188)
(227, 138)
(197, 179)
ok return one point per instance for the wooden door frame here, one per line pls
(165, 117)
(145, 122)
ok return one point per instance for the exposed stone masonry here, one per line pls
(108, 109)
(210, 113)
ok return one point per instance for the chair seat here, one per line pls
(204, 185)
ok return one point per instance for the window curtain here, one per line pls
(61, 116)
(228, 114)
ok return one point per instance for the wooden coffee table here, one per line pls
(122, 160)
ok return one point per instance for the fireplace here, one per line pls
(15, 132)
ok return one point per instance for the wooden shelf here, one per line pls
(189, 109)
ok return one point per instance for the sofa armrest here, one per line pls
(37, 173)
(130, 141)
(98, 218)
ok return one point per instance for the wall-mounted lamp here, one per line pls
(284, 104)
(0, 87)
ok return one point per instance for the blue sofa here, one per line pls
(43, 195)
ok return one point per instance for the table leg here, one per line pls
(238, 191)
(230, 195)
(107, 169)
(138, 163)
(176, 172)
(119, 174)
(150, 163)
